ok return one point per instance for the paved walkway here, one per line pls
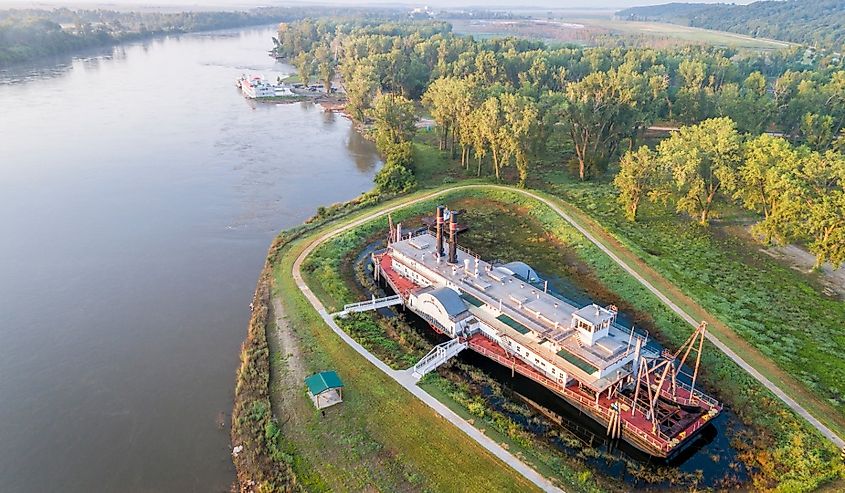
(406, 379)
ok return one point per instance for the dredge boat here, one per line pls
(506, 313)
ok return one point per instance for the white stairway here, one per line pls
(372, 304)
(440, 354)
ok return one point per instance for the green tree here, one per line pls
(394, 120)
(598, 112)
(704, 161)
(823, 206)
(749, 105)
(394, 178)
(766, 161)
(520, 119)
(641, 175)
(325, 66)
(492, 131)
(304, 66)
(360, 86)
(692, 103)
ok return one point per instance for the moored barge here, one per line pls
(581, 353)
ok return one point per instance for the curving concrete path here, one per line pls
(404, 378)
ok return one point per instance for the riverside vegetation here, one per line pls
(559, 120)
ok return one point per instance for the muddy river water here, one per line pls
(139, 192)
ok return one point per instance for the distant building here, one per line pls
(325, 389)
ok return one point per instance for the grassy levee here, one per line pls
(259, 462)
(785, 448)
(381, 437)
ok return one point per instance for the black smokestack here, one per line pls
(453, 237)
(439, 217)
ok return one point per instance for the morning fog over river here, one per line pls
(140, 192)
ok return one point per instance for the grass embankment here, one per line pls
(782, 447)
(260, 463)
(381, 436)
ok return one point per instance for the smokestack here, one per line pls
(453, 237)
(439, 216)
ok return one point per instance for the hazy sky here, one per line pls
(598, 4)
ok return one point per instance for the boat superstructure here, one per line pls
(506, 313)
(256, 87)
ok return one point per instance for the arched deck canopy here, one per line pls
(450, 301)
(522, 270)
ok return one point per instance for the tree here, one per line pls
(640, 175)
(520, 119)
(692, 103)
(749, 106)
(704, 161)
(762, 174)
(598, 112)
(394, 178)
(303, 64)
(822, 211)
(444, 99)
(492, 132)
(360, 86)
(325, 66)
(394, 120)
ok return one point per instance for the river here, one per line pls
(139, 194)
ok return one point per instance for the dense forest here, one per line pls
(818, 23)
(26, 34)
(515, 104)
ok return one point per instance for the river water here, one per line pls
(138, 195)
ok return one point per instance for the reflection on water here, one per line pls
(359, 149)
(139, 195)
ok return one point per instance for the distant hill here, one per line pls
(818, 23)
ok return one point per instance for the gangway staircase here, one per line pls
(440, 354)
(371, 304)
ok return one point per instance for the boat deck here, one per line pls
(636, 428)
(533, 317)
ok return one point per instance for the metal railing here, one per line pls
(438, 355)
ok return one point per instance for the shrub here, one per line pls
(395, 178)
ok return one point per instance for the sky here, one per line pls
(557, 4)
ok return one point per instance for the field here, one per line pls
(593, 30)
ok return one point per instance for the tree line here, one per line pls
(27, 34)
(799, 193)
(810, 22)
(514, 103)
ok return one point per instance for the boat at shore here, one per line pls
(506, 313)
(256, 87)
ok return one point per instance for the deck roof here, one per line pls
(507, 301)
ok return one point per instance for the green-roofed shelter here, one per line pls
(325, 389)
